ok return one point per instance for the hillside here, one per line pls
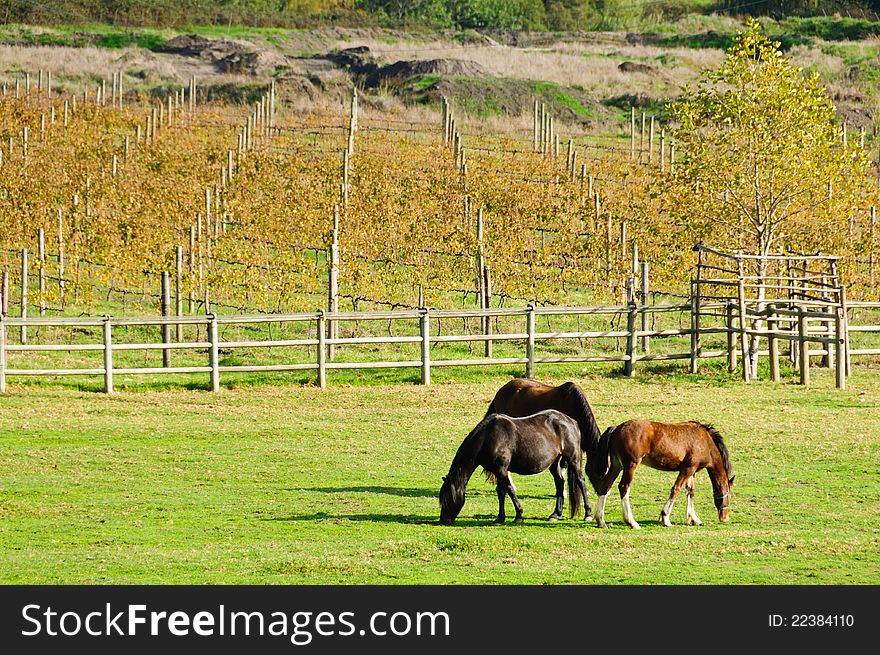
(590, 79)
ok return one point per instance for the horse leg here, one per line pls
(501, 489)
(557, 473)
(588, 515)
(692, 518)
(511, 490)
(604, 488)
(624, 488)
(683, 476)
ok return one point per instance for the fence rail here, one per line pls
(802, 326)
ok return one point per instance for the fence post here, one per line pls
(24, 292)
(773, 342)
(803, 347)
(108, 356)
(425, 330)
(530, 342)
(2, 354)
(840, 348)
(487, 303)
(322, 349)
(166, 312)
(178, 282)
(214, 352)
(629, 368)
(731, 341)
(744, 338)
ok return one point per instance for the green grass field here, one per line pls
(286, 483)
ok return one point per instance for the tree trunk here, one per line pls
(755, 341)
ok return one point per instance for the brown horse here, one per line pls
(523, 396)
(683, 447)
(503, 445)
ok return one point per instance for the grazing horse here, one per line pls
(683, 447)
(503, 445)
(523, 396)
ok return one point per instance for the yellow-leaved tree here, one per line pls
(764, 163)
(762, 156)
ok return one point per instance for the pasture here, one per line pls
(271, 483)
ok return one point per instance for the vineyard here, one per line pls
(113, 205)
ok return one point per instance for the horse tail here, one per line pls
(575, 491)
(603, 450)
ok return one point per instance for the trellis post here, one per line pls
(695, 326)
(646, 340)
(839, 347)
(333, 282)
(2, 353)
(41, 252)
(4, 294)
(24, 292)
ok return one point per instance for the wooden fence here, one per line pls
(801, 329)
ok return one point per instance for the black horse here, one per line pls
(503, 445)
(524, 396)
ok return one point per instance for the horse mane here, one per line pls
(590, 435)
(465, 453)
(719, 442)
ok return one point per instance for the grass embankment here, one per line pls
(286, 484)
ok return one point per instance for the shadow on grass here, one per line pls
(391, 491)
(366, 518)
(476, 521)
(410, 492)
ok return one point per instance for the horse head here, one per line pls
(451, 501)
(722, 502)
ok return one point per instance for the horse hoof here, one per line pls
(518, 519)
(664, 521)
(694, 522)
(635, 526)
(589, 517)
(602, 524)
(553, 518)
(498, 522)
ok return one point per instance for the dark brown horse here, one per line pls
(523, 396)
(683, 447)
(503, 445)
